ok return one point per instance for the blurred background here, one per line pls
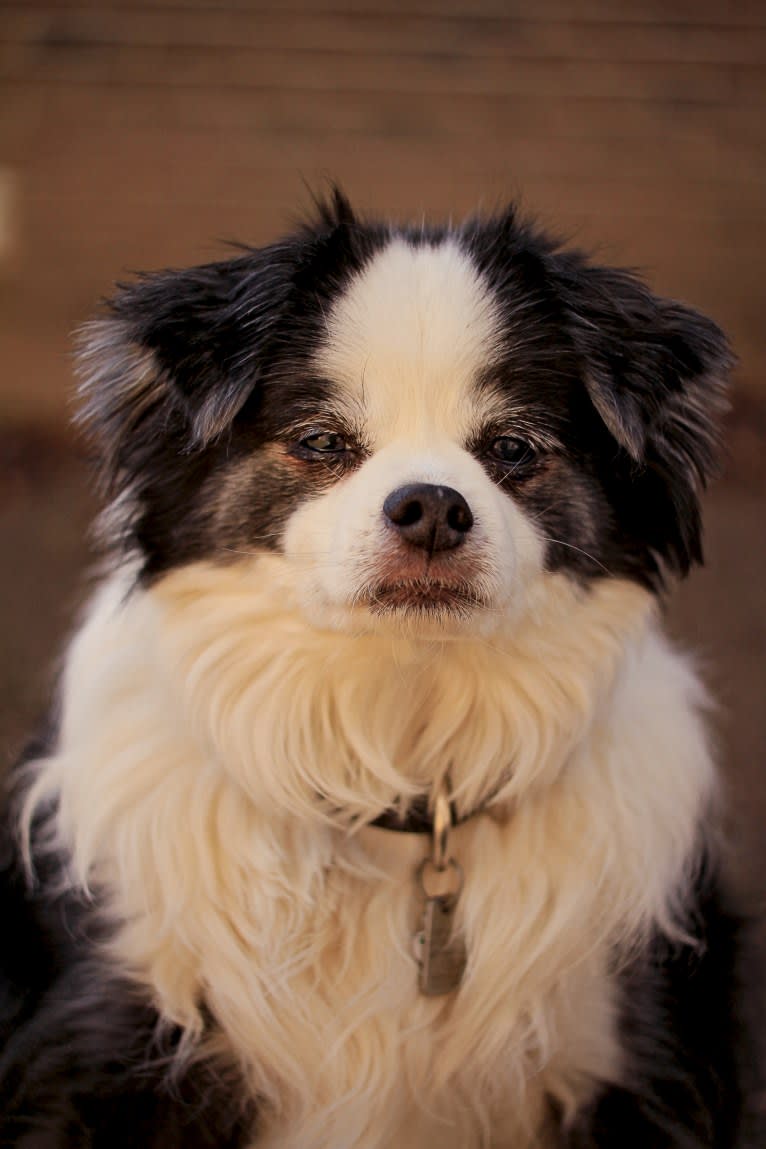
(140, 134)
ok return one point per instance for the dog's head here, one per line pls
(422, 422)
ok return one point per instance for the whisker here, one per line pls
(538, 517)
(571, 546)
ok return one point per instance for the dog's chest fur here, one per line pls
(212, 772)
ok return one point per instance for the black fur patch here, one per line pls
(629, 385)
(684, 1041)
(195, 371)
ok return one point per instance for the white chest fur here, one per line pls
(382, 1064)
(203, 722)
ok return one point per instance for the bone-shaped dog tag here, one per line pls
(442, 956)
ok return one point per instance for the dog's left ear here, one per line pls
(179, 350)
(656, 372)
(179, 353)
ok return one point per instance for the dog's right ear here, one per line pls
(178, 354)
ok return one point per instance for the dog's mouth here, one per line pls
(422, 596)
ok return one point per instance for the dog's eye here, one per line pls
(325, 443)
(513, 452)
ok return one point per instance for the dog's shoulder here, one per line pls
(83, 1059)
(684, 1033)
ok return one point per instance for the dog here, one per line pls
(375, 808)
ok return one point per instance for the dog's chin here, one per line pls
(427, 607)
(422, 597)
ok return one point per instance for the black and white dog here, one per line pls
(377, 810)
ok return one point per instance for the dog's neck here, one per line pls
(340, 727)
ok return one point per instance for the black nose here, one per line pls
(436, 518)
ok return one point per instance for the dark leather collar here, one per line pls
(417, 820)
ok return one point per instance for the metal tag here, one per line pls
(442, 957)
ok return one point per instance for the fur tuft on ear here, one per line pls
(181, 349)
(332, 210)
(655, 371)
(120, 385)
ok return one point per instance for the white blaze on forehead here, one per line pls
(408, 338)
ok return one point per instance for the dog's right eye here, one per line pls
(325, 443)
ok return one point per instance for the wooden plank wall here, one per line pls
(137, 134)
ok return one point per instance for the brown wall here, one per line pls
(135, 134)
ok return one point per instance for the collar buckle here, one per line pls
(442, 824)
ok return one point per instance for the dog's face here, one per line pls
(422, 423)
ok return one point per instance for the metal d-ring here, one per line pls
(452, 865)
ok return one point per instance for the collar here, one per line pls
(419, 817)
(417, 820)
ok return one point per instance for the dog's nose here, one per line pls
(436, 518)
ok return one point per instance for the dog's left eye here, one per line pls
(325, 443)
(512, 451)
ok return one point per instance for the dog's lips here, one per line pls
(422, 595)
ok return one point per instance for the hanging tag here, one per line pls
(441, 955)
(440, 952)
